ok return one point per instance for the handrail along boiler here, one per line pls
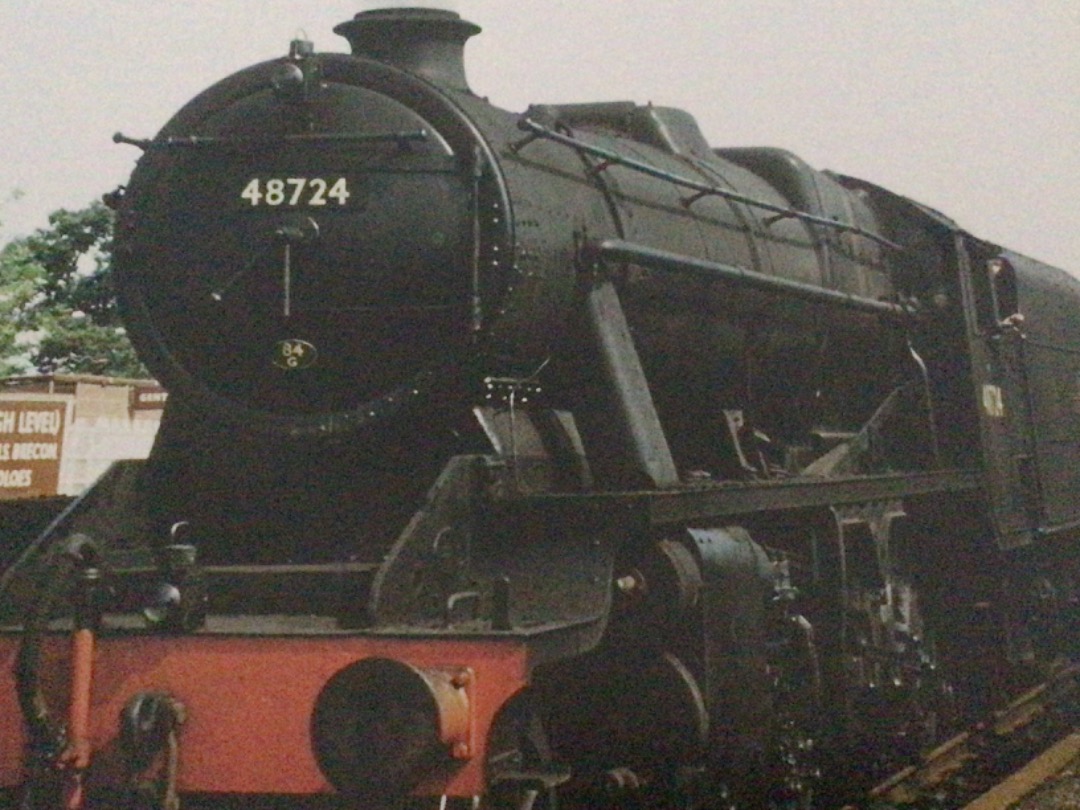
(536, 457)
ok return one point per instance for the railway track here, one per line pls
(1048, 782)
(999, 762)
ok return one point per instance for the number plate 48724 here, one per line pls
(296, 192)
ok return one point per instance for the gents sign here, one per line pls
(31, 435)
(148, 398)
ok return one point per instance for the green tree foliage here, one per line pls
(57, 303)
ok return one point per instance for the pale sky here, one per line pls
(969, 106)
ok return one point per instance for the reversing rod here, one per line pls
(618, 250)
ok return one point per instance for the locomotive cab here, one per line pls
(1022, 328)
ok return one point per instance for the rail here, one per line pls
(402, 139)
(962, 768)
(611, 158)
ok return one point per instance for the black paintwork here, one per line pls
(471, 391)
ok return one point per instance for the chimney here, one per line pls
(426, 41)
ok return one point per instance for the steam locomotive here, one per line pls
(515, 460)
